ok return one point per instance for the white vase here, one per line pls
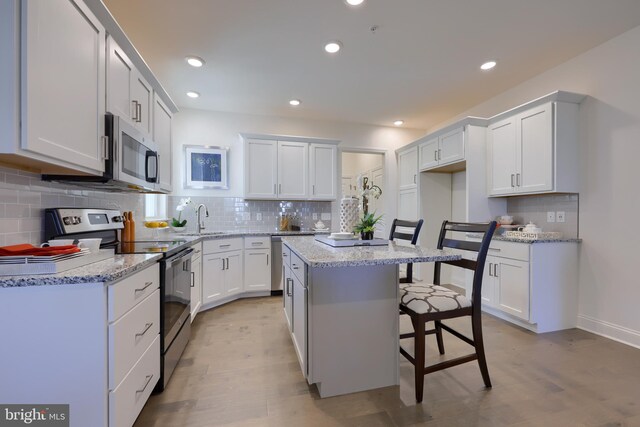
(349, 214)
(178, 229)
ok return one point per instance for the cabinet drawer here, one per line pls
(131, 335)
(125, 294)
(286, 256)
(257, 242)
(221, 245)
(197, 251)
(509, 250)
(298, 268)
(127, 400)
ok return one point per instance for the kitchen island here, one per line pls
(341, 306)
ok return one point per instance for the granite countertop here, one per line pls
(212, 235)
(320, 255)
(531, 241)
(108, 270)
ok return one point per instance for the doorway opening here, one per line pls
(359, 167)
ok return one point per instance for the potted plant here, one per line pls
(180, 224)
(367, 225)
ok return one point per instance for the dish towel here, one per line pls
(26, 249)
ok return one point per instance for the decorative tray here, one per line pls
(544, 235)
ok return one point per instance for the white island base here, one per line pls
(353, 328)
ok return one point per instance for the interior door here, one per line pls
(293, 170)
(502, 157)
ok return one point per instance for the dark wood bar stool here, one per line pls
(413, 238)
(432, 302)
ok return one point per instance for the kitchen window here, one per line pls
(155, 207)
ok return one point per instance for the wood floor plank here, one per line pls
(240, 370)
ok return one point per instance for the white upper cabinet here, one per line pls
(323, 172)
(534, 150)
(261, 168)
(63, 83)
(162, 136)
(129, 96)
(293, 172)
(442, 150)
(408, 168)
(289, 169)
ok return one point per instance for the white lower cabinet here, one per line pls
(257, 270)
(196, 280)
(299, 335)
(213, 267)
(532, 285)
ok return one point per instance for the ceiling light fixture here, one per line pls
(195, 61)
(295, 102)
(333, 47)
(488, 65)
(192, 94)
(354, 2)
(398, 122)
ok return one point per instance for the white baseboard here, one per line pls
(609, 330)
(225, 300)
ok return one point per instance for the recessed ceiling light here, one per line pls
(488, 65)
(354, 2)
(333, 47)
(192, 94)
(195, 61)
(398, 122)
(295, 102)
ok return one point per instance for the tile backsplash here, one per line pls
(535, 208)
(23, 197)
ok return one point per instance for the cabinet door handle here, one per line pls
(518, 179)
(222, 259)
(279, 188)
(146, 285)
(512, 178)
(148, 378)
(435, 155)
(135, 111)
(490, 265)
(193, 279)
(139, 112)
(495, 270)
(274, 189)
(439, 154)
(144, 331)
(225, 246)
(313, 189)
(257, 243)
(105, 147)
(267, 259)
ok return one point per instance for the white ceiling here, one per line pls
(421, 65)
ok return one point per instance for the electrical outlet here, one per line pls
(315, 216)
(551, 217)
(325, 216)
(560, 216)
(246, 216)
(259, 216)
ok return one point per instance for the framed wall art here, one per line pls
(206, 167)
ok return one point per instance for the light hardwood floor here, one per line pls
(240, 369)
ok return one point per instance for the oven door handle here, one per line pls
(175, 259)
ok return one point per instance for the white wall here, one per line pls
(610, 187)
(354, 164)
(199, 127)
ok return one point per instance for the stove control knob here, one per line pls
(79, 220)
(117, 218)
(75, 220)
(67, 220)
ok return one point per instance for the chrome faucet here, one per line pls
(200, 222)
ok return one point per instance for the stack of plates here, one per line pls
(33, 259)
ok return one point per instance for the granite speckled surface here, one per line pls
(320, 255)
(531, 241)
(206, 235)
(108, 270)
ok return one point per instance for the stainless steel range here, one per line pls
(175, 272)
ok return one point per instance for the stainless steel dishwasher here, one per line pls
(276, 265)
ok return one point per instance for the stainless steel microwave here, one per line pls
(131, 163)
